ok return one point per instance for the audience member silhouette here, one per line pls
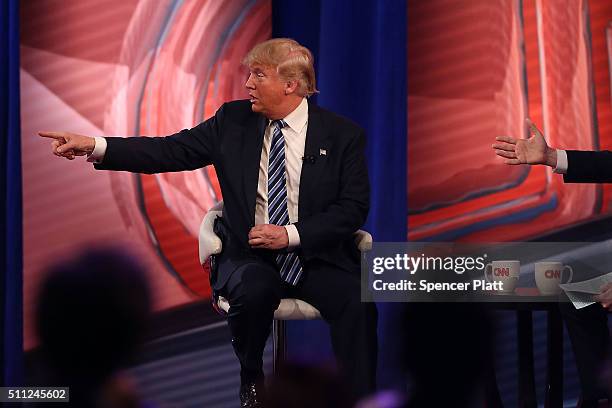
(91, 317)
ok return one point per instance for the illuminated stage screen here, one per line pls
(125, 67)
(148, 67)
(475, 71)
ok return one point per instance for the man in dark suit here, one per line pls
(295, 188)
(587, 327)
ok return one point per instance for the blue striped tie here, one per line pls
(289, 263)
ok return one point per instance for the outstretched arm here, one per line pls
(187, 150)
(576, 166)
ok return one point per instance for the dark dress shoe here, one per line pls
(250, 396)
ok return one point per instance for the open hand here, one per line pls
(69, 145)
(526, 151)
(268, 236)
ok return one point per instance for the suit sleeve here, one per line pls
(348, 212)
(588, 167)
(188, 149)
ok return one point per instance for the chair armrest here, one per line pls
(208, 242)
(288, 309)
(363, 240)
(217, 207)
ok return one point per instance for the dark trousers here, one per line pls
(254, 290)
(588, 332)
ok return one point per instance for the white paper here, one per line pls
(580, 300)
(582, 293)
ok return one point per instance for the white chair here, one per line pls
(289, 309)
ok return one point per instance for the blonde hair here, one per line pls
(293, 62)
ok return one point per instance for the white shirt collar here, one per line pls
(297, 119)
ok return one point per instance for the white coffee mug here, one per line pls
(548, 276)
(506, 272)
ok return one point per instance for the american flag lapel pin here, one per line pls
(322, 152)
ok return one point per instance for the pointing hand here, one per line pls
(69, 145)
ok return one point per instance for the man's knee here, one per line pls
(259, 297)
(255, 287)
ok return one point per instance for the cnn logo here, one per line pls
(552, 274)
(501, 271)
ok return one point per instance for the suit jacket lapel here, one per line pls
(316, 139)
(251, 156)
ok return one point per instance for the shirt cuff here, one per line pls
(561, 162)
(294, 236)
(99, 151)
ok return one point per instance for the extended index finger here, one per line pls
(52, 135)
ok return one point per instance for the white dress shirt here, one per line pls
(295, 142)
(561, 167)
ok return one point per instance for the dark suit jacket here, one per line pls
(588, 167)
(334, 190)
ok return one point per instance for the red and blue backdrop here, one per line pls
(431, 82)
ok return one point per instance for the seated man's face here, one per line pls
(266, 91)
